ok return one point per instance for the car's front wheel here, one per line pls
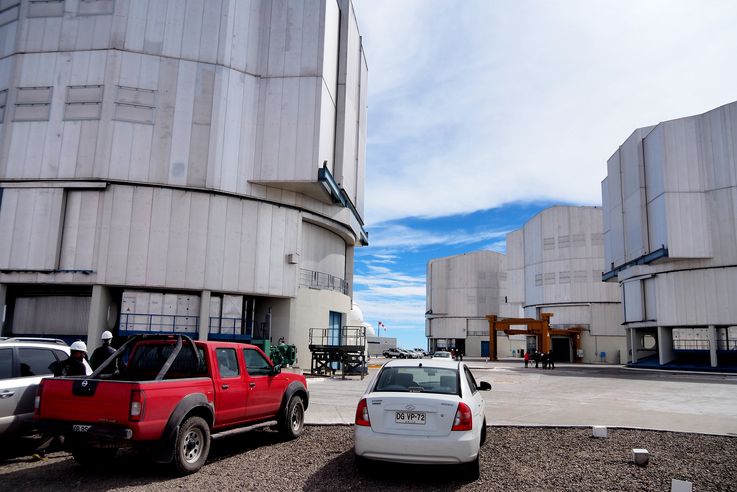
(192, 445)
(293, 420)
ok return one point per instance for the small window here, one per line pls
(135, 105)
(33, 103)
(471, 381)
(35, 361)
(550, 278)
(256, 364)
(84, 102)
(96, 7)
(227, 362)
(46, 8)
(6, 363)
(548, 243)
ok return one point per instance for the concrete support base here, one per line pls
(713, 345)
(99, 313)
(665, 345)
(204, 329)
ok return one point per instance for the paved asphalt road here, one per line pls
(570, 395)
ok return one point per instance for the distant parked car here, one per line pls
(408, 354)
(393, 353)
(23, 363)
(441, 355)
(429, 412)
(421, 351)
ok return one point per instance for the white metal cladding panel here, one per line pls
(697, 297)
(606, 320)
(534, 292)
(718, 146)
(53, 315)
(322, 251)
(326, 148)
(635, 225)
(516, 285)
(533, 241)
(30, 225)
(362, 131)
(349, 102)
(682, 170)
(448, 327)
(554, 224)
(655, 162)
(722, 209)
(657, 223)
(288, 114)
(330, 40)
(634, 308)
(515, 249)
(688, 225)
(81, 218)
(649, 290)
(179, 239)
(9, 28)
(568, 315)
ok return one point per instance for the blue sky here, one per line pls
(481, 113)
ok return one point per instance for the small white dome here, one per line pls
(370, 332)
(355, 317)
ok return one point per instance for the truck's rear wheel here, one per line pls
(293, 421)
(192, 445)
(89, 457)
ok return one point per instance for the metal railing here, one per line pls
(229, 327)
(727, 345)
(322, 281)
(353, 336)
(135, 323)
(683, 344)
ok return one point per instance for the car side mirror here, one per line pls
(276, 369)
(484, 386)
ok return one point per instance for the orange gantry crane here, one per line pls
(540, 328)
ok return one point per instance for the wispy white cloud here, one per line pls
(402, 237)
(475, 104)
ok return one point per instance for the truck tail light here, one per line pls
(37, 401)
(362, 415)
(464, 419)
(138, 400)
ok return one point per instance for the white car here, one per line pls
(442, 355)
(426, 411)
(23, 363)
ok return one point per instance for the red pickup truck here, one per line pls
(168, 398)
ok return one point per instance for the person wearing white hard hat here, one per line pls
(102, 353)
(76, 364)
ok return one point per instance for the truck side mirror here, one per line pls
(276, 369)
(484, 386)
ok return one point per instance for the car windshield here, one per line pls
(418, 380)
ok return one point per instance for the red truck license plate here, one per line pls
(81, 428)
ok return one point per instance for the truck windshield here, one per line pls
(147, 360)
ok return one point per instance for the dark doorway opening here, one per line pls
(561, 349)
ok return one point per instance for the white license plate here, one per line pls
(409, 418)
(81, 428)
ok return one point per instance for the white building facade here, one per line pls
(180, 166)
(554, 265)
(461, 291)
(670, 229)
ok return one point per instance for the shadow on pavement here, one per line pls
(628, 374)
(341, 473)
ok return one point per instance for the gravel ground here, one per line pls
(513, 458)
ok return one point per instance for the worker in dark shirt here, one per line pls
(75, 364)
(102, 353)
